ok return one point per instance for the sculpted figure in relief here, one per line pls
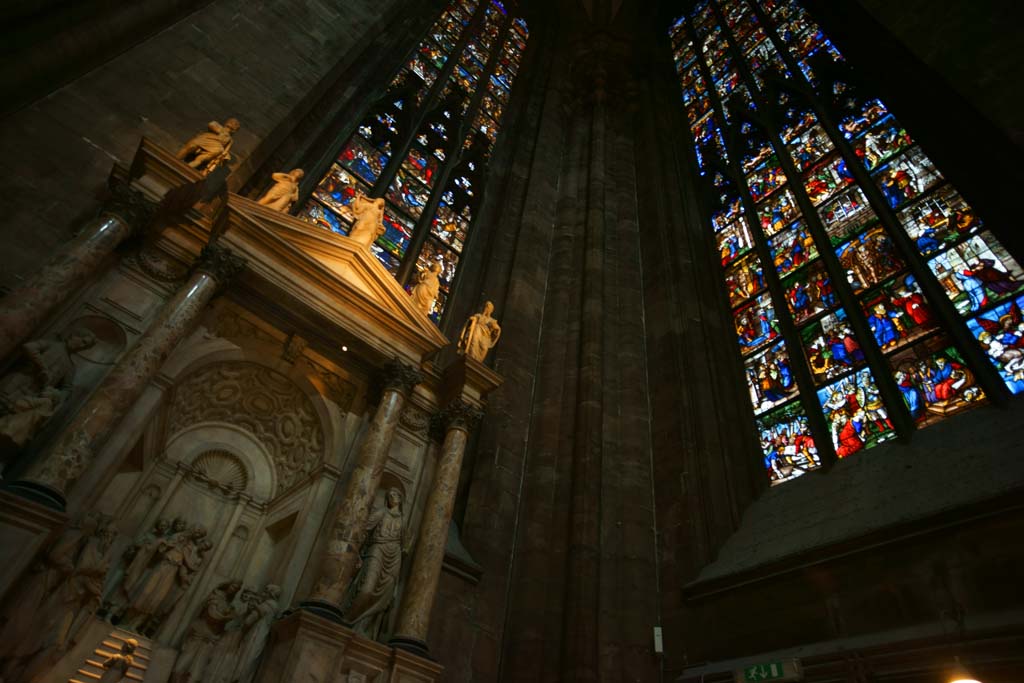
(424, 292)
(373, 590)
(37, 386)
(115, 667)
(285, 190)
(239, 652)
(135, 562)
(480, 333)
(204, 633)
(206, 151)
(369, 223)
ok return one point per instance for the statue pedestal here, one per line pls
(307, 647)
(25, 528)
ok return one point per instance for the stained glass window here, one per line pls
(424, 144)
(887, 304)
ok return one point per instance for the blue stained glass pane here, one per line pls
(318, 214)
(787, 444)
(756, 324)
(934, 380)
(777, 212)
(846, 215)
(792, 248)
(898, 313)
(881, 143)
(939, 219)
(744, 279)
(408, 194)
(809, 292)
(363, 159)
(397, 232)
(827, 178)
(385, 257)
(1001, 334)
(766, 179)
(909, 175)
(977, 273)
(831, 347)
(807, 145)
(857, 417)
(770, 378)
(337, 190)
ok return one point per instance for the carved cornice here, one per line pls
(220, 263)
(397, 376)
(456, 415)
(128, 204)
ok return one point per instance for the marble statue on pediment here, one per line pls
(284, 192)
(480, 333)
(428, 284)
(211, 148)
(369, 215)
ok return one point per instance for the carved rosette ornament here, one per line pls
(220, 263)
(398, 376)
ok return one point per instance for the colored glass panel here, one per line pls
(766, 179)
(318, 214)
(743, 279)
(408, 194)
(977, 273)
(824, 180)
(934, 380)
(831, 347)
(869, 258)
(397, 233)
(906, 177)
(856, 414)
(939, 219)
(787, 443)
(756, 324)
(363, 159)
(846, 215)
(792, 248)
(898, 313)
(337, 190)
(777, 212)
(421, 166)
(770, 378)
(1000, 332)
(807, 146)
(449, 226)
(435, 252)
(881, 143)
(809, 292)
(734, 241)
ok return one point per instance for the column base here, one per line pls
(413, 645)
(323, 609)
(38, 493)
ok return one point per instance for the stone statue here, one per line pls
(206, 151)
(480, 333)
(59, 597)
(204, 633)
(242, 655)
(115, 667)
(176, 560)
(37, 386)
(369, 223)
(373, 590)
(134, 563)
(424, 292)
(285, 190)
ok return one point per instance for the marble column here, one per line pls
(27, 306)
(76, 448)
(341, 562)
(421, 588)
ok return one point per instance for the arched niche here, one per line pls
(201, 442)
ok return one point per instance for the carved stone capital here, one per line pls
(456, 415)
(129, 205)
(397, 376)
(220, 263)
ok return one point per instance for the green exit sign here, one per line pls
(783, 670)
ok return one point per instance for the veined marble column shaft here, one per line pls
(25, 308)
(78, 444)
(421, 589)
(341, 563)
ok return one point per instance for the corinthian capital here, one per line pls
(456, 415)
(220, 263)
(128, 204)
(398, 376)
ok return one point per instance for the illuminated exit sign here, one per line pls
(784, 670)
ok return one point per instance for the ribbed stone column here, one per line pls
(341, 562)
(26, 307)
(420, 590)
(54, 474)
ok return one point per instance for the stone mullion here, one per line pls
(422, 229)
(582, 590)
(24, 309)
(51, 476)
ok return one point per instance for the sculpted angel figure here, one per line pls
(369, 223)
(480, 333)
(285, 190)
(206, 151)
(373, 590)
(424, 292)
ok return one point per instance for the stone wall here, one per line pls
(261, 62)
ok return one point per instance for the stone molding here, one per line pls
(220, 263)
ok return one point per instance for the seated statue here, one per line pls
(206, 151)
(285, 191)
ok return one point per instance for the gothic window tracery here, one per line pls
(869, 299)
(424, 146)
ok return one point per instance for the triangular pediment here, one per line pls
(367, 293)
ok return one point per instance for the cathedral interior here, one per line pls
(511, 341)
